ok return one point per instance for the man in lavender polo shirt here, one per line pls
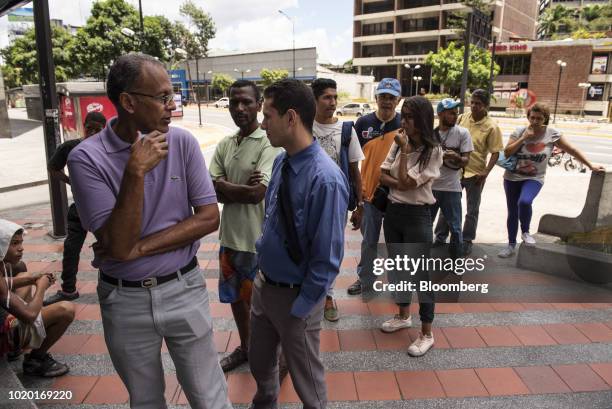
(143, 189)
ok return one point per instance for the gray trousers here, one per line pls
(473, 192)
(136, 320)
(272, 326)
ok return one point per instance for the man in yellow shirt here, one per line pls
(487, 139)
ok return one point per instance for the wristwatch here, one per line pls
(360, 204)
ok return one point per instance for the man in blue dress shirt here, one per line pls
(299, 252)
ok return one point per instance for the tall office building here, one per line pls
(391, 38)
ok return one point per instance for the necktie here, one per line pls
(292, 243)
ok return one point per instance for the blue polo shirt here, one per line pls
(319, 198)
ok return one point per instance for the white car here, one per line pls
(222, 103)
(355, 108)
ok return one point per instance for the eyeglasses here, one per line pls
(162, 99)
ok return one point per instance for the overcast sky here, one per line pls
(246, 24)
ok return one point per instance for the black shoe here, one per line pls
(45, 366)
(355, 288)
(234, 360)
(467, 248)
(61, 296)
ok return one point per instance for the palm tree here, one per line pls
(555, 20)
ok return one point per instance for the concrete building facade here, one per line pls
(249, 65)
(391, 38)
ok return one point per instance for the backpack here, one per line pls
(345, 141)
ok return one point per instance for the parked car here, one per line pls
(222, 103)
(355, 108)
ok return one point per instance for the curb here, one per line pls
(23, 186)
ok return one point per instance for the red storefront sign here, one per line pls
(501, 48)
(67, 118)
(99, 103)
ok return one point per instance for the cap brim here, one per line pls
(387, 91)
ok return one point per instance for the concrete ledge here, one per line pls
(596, 213)
(10, 382)
(570, 262)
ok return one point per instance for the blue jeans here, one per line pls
(371, 224)
(449, 204)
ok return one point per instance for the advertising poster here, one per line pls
(178, 101)
(600, 65)
(99, 103)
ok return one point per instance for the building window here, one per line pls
(421, 24)
(381, 50)
(513, 64)
(411, 4)
(377, 29)
(595, 92)
(379, 6)
(418, 48)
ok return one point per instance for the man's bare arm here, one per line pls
(205, 220)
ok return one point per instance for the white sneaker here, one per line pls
(421, 345)
(528, 239)
(396, 323)
(506, 252)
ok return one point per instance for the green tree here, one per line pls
(196, 44)
(557, 20)
(269, 77)
(20, 62)
(222, 82)
(100, 41)
(447, 67)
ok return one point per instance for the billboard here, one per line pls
(600, 64)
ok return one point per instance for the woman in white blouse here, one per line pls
(409, 170)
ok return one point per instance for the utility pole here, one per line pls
(466, 61)
(141, 26)
(492, 74)
(48, 97)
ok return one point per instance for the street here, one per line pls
(594, 139)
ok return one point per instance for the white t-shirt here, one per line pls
(458, 139)
(330, 139)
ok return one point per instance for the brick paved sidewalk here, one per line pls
(502, 355)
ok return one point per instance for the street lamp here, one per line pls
(293, 36)
(131, 34)
(242, 72)
(417, 79)
(561, 64)
(409, 67)
(584, 86)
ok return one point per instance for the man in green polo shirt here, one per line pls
(487, 139)
(240, 170)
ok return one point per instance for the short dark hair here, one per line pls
(542, 109)
(293, 94)
(321, 84)
(124, 72)
(246, 83)
(482, 95)
(97, 117)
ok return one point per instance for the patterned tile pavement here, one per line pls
(497, 354)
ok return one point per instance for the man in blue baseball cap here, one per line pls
(375, 132)
(457, 144)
